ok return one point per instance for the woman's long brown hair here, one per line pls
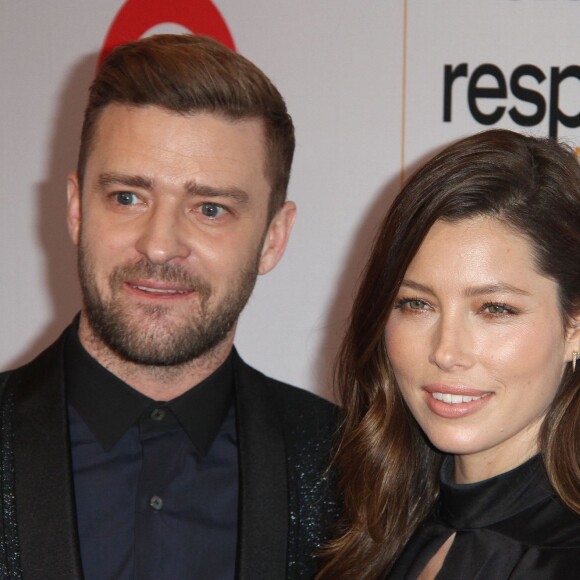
(388, 471)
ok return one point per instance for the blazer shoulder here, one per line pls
(40, 366)
(47, 366)
(293, 403)
(299, 396)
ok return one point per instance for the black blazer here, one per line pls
(286, 501)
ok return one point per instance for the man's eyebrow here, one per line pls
(107, 179)
(198, 189)
(473, 291)
(191, 187)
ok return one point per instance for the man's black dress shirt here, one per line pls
(156, 484)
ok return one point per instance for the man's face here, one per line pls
(172, 230)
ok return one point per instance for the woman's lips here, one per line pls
(453, 402)
(456, 399)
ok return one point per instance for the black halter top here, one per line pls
(509, 526)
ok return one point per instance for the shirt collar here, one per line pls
(109, 406)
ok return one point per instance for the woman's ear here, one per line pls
(572, 352)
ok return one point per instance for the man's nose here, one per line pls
(163, 237)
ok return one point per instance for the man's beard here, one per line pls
(145, 334)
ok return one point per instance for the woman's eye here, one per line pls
(411, 304)
(212, 210)
(126, 198)
(498, 309)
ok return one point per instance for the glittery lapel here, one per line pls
(44, 492)
(263, 524)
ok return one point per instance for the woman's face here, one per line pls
(477, 344)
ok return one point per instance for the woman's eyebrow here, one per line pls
(496, 287)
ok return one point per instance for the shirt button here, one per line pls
(157, 414)
(156, 502)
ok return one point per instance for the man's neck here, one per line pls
(161, 383)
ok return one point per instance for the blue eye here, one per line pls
(126, 198)
(211, 210)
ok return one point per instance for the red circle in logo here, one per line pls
(136, 17)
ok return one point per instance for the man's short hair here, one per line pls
(193, 74)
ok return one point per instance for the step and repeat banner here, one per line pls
(375, 87)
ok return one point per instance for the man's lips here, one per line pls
(156, 288)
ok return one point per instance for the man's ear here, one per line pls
(73, 214)
(277, 236)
